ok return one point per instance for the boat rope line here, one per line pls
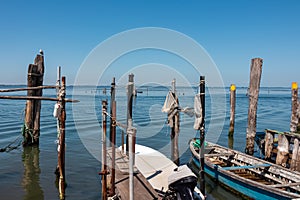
(117, 123)
(13, 145)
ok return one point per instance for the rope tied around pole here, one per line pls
(27, 131)
(115, 122)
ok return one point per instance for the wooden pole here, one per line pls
(202, 134)
(129, 103)
(122, 132)
(39, 61)
(104, 170)
(255, 76)
(61, 144)
(269, 145)
(295, 163)
(58, 78)
(113, 143)
(232, 109)
(29, 110)
(294, 116)
(112, 136)
(175, 129)
(112, 99)
(283, 150)
(131, 132)
(33, 107)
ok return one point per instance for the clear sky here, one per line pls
(231, 31)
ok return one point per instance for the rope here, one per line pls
(26, 130)
(119, 124)
(10, 146)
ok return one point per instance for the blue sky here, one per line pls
(232, 32)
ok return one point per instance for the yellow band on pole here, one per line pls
(232, 87)
(294, 85)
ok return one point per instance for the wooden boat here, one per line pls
(245, 174)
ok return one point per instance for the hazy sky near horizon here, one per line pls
(230, 31)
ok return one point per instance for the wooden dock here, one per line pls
(142, 188)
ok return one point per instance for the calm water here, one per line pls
(28, 173)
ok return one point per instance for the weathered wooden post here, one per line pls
(294, 116)
(202, 134)
(232, 109)
(255, 76)
(283, 150)
(269, 144)
(104, 169)
(174, 123)
(131, 132)
(32, 114)
(112, 99)
(295, 162)
(61, 142)
(39, 61)
(130, 88)
(58, 80)
(122, 141)
(113, 137)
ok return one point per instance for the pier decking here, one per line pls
(142, 188)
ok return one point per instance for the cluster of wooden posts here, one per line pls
(31, 127)
(108, 190)
(109, 173)
(283, 147)
(280, 147)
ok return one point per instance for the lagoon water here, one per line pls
(28, 173)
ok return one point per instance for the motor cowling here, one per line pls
(182, 182)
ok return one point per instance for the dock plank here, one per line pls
(142, 188)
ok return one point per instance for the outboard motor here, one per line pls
(182, 183)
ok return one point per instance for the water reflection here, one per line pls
(31, 176)
(230, 141)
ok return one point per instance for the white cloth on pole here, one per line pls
(170, 103)
(198, 112)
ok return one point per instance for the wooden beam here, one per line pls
(35, 97)
(29, 88)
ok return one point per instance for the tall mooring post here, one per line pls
(31, 130)
(113, 113)
(294, 114)
(61, 139)
(254, 85)
(131, 132)
(130, 88)
(104, 164)
(174, 124)
(232, 109)
(202, 134)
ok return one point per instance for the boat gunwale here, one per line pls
(231, 174)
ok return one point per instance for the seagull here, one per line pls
(41, 52)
